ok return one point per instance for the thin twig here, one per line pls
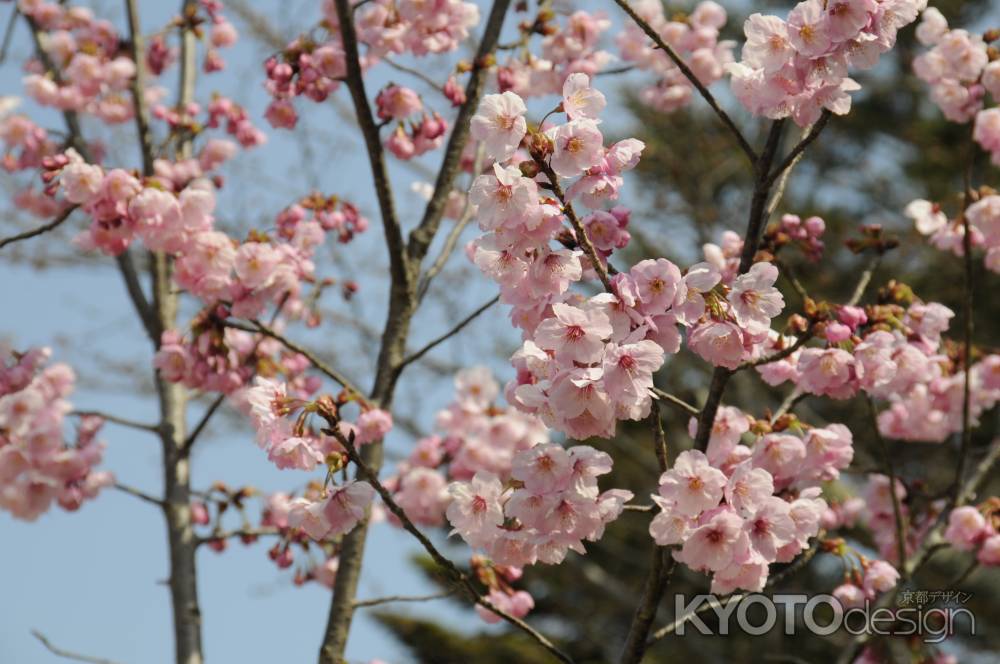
(676, 401)
(138, 493)
(796, 152)
(66, 654)
(451, 241)
(115, 419)
(692, 77)
(359, 603)
(967, 301)
(202, 423)
(890, 471)
(263, 531)
(778, 355)
(414, 72)
(413, 357)
(39, 230)
(321, 366)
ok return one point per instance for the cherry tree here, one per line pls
(514, 472)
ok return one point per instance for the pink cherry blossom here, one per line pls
(692, 484)
(500, 125)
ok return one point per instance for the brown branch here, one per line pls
(360, 603)
(751, 240)
(399, 270)
(581, 233)
(449, 334)
(890, 471)
(115, 419)
(690, 75)
(39, 230)
(321, 366)
(967, 328)
(202, 423)
(138, 493)
(661, 566)
(404, 270)
(796, 153)
(676, 401)
(67, 654)
(421, 237)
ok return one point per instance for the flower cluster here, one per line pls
(893, 353)
(798, 67)
(566, 48)
(314, 68)
(695, 38)
(476, 434)
(792, 230)
(36, 466)
(974, 529)
(209, 264)
(291, 443)
(735, 509)
(960, 73)
(875, 577)
(424, 135)
(551, 504)
(949, 234)
(411, 26)
(95, 71)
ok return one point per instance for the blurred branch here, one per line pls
(138, 493)
(690, 75)
(414, 72)
(66, 654)
(259, 328)
(796, 153)
(890, 471)
(401, 598)
(115, 419)
(44, 228)
(450, 242)
(263, 531)
(676, 401)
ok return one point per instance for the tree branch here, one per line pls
(422, 236)
(115, 419)
(452, 570)
(581, 233)
(690, 75)
(751, 240)
(66, 654)
(257, 327)
(890, 471)
(795, 154)
(39, 230)
(138, 493)
(676, 401)
(398, 268)
(449, 334)
(360, 603)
